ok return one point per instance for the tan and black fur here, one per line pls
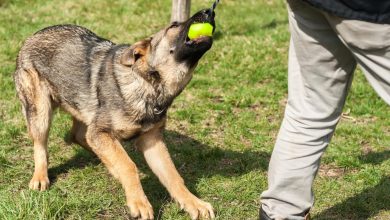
(114, 92)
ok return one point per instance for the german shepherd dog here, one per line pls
(113, 92)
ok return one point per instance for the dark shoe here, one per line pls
(263, 215)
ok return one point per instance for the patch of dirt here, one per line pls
(366, 147)
(387, 131)
(383, 215)
(218, 99)
(226, 162)
(327, 170)
(283, 101)
(3, 3)
(346, 116)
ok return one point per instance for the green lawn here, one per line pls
(220, 131)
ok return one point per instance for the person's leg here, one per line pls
(320, 72)
(370, 44)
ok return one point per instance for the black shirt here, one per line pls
(377, 11)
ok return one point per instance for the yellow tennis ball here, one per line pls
(200, 29)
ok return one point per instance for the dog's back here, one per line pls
(60, 45)
(67, 58)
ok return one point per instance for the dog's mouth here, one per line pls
(198, 40)
(203, 16)
(192, 50)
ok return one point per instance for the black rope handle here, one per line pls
(214, 6)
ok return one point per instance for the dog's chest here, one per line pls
(127, 129)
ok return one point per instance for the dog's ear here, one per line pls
(135, 52)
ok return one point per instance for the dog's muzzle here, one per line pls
(203, 16)
(193, 50)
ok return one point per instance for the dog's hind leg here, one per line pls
(37, 109)
(79, 130)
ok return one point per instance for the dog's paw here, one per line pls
(140, 208)
(197, 208)
(39, 182)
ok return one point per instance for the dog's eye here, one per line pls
(174, 24)
(155, 74)
(171, 50)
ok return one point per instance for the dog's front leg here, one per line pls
(159, 160)
(111, 152)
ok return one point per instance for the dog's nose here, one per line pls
(209, 15)
(204, 16)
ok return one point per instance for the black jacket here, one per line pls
(377, 11)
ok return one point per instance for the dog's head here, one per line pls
(170, 55)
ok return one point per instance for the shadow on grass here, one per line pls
(369, 202)
(3, 3)
(375, 157)
(193, 159)
(82, 159)
(274, 24)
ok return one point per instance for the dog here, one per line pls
(114, 93)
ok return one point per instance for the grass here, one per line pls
(220, 131)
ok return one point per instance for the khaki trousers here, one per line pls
(324, 52)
